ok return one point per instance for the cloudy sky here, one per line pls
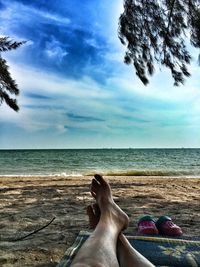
(76, 91)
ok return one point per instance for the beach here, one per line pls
(29, 203)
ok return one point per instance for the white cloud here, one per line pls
(160, 86)
(55, 51)
(58, 96)
(55, 18)
(92, 42)
(87, 97)
(45, 83)
(16, 12)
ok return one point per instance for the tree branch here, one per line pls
(34, 232)
(170, 15)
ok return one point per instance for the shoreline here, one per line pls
(30, 202)
(119, 175)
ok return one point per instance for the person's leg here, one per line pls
(99, 250)
(127, 255)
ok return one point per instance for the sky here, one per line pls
(75, 90)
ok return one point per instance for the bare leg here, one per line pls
(99, 250)
(127, 255)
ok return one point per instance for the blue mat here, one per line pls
(161, 251)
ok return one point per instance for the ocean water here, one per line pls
(131, 162)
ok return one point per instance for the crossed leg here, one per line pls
(126, 254)
(99, 250)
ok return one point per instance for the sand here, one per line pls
(28, 203)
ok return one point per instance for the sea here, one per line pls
(72, 162)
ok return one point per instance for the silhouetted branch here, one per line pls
(7, 84)
(170, 14)
(34, 232)
(154, 31)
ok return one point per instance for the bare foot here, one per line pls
(93, 213)
(110, 211)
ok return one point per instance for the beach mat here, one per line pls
(161, 251)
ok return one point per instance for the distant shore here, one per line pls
(28, 203)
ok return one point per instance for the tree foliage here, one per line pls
(8, 86)
(156, 31)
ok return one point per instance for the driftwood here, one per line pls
(34, 232)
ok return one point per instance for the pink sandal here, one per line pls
(146, 225)
(167, 227)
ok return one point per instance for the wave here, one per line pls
(147, 173)
(43, 175)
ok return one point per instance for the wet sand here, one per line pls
(28, 203)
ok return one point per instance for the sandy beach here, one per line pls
(29, 203)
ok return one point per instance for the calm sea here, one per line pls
(132, 162)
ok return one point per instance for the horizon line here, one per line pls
(76, 148)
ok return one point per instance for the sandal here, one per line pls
(146, 225)
(165, 226)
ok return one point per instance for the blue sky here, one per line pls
(76, 92)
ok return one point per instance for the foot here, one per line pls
(93, 213)
(110, 211)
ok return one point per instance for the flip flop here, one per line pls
(146, 225)
(165, 226)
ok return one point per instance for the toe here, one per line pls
(96, 209)
(93, 194)
(100, 179)
(90, 211)
(94, 186)
(91, 216)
